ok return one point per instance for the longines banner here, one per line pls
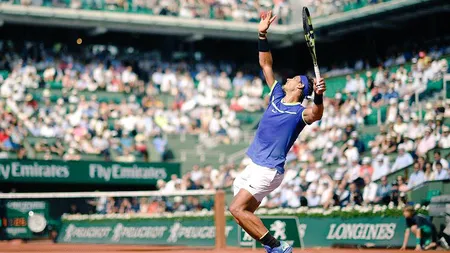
(85, 172)
(373, 231)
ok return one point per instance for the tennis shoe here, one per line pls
(283, 248)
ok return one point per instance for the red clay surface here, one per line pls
(6, 247)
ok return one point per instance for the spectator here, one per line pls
(160, 144)
(415, 128)
(196, 173)
(403, 159)
(402, 186)
(422, 162)
(312, 173)
(238, 82)
(351, 85)
(366, 169)
(313, 198)
(358, 143)
(429, 173)
(359, 83)
(329, 153)
(350, 151)
(395, 194)
(143, 205)
(355, 198)
(380, 168)
(168, 81)
(157, 78)
(178, 205)
(383, 192)
(170, 185)
(354, 171)
(326, 199)
(439, 159)
(441, 174)
(392, 110)
(369, 191)
(427, 143)
(377, 97)
(417, 177)
(342, 195)
(444, 141)
(341, 170)
(125, 206)
(224, 84)
(400, 127)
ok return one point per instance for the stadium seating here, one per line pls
(200, 145)
(232, 10)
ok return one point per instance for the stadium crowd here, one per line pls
(158, 98)
(235, 10)
(86, 124)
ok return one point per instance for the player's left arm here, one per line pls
(315, 112)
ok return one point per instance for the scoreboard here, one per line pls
(24, 219)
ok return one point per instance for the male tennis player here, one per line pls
(280, 126)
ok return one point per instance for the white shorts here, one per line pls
(258, 180)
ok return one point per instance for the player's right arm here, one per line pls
(265, 56)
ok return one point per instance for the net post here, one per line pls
(219, 219)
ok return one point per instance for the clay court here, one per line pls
(61, 248)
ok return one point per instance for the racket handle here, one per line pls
(317, 72)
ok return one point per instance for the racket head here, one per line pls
(309, 32)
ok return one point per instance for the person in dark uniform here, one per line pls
(421, 227)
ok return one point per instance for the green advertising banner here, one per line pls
(85, 172)
(145, 231)
(373, 231)
(311, 232)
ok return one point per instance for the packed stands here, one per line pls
(229, 10)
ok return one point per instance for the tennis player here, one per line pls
(281, 123)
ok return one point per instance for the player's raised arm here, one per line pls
(265, 56)
(314, 113)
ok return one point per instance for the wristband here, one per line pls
(318, 99)
(263, 45)
(262, 35)
(418, 241)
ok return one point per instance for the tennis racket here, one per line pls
(309, 38)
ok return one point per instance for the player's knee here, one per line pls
(236, 210)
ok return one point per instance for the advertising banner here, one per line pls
(84, 172)
(146, 231)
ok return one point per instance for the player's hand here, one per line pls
(403, 248)
(266, 20)
(320, 87)
(418, 248)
